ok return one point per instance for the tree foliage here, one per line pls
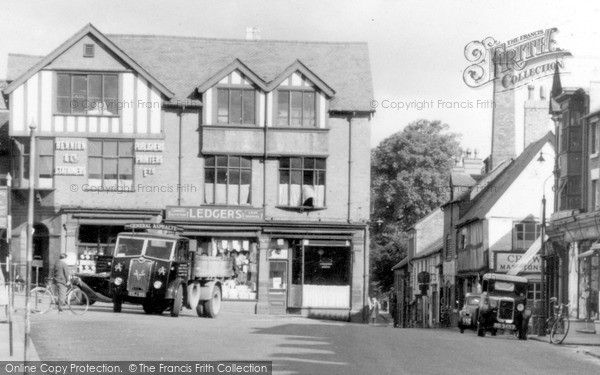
(409, 178)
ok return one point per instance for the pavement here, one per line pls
(18, 337)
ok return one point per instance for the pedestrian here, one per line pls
(3, 294)
(394, 308)
(61, 277)
(373, 309)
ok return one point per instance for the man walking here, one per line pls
(61, 276)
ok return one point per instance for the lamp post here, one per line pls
(29, 250)
(542, 313)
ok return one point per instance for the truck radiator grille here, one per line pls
(506, 309)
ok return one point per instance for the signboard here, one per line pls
(153, 226)
(214, 213)
(3, 207)
(505, 261)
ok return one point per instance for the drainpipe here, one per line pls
(180, 156)
(350, 164)
(264, 185)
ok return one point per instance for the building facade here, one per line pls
(258, 147)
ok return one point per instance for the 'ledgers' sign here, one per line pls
(214, 213)
(506, 261)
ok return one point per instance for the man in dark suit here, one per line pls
(61, 277)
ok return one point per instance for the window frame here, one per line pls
(228, 169)
(112, 109)
(242, 89)
(117, 157)
(19, 160)
(316, 178)
(288, 122)
(594, 144)
(524, 244)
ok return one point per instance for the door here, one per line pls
(278, 283)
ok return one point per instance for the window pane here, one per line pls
(284, 177)
(222, 161)
(125, 148)
(63, 81)
(308, 178)
(235, 111)
(296, 163)
(125, 169)
(223, 106)
(296, 177)
(209, 176)
(209, 161)
(95, 148)
(249, 107)
(283, 102)
(296, 111)
(63, 105)
(320, 163)
(95, 168)
(309, 163)
(80, 87)
(284, 163)
(246, 162)
(320, 178)
(234, 161)
(46, 166)
(110, 148)
(221, 176)
(110, 169)
(308, 118)
(94, 92)
(111, 83)
(246, 178)
(234, 177)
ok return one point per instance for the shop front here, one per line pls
(280, 268)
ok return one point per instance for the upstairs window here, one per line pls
(90, 94)
(227, 180)
(525, 234)
(302, 182)
(111, 164)
(296, 108)
(593, 138)
(236, 106)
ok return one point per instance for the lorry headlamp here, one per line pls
(520, 307)
(157, 284)
(118, 281)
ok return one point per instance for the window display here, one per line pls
(244, 254)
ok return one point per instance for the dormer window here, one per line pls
(236, 106)
(296, 108)
(91, 94)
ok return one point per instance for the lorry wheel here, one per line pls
(148, 306)
(117, 304)
(480, 329)
(177, 302)
(213, 305)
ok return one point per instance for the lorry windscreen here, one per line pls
(129, 246)
(160, 249)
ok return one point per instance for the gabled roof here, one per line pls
(401, 264)
(3, 106)
(184, 63)
(91, 30)
(235, 65)
(433, 248)
(494, 189)
(297, 66)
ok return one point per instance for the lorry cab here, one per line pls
(148, 269)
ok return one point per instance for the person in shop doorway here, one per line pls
(373, 310)
(394, 308)
(61, 277)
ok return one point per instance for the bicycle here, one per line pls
(557, 326)
(41, 298)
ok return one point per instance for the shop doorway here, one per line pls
(278, 282)
(41, 253)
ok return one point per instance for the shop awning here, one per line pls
(527, 257)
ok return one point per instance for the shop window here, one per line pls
(589, 287)
(524, 234)
(45, 162)
(534, 293)
(302, 182)
(90, 94)
(110, 164)
(296, 108)
(227, 180)
(243, 254)
(320, 276)
(236, 106)
(593, 138)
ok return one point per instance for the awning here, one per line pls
(528, 256)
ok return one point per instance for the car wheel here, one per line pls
(480, 329)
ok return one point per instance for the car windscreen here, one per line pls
(129, 246)
(160, 249)
(473, 301)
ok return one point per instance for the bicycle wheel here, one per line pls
(40, 300)
(559, 330)
(78, 301)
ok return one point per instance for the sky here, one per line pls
(416, 47)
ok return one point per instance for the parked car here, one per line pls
(467, 316)
(503, 305)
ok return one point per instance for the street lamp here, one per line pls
(29, 250)
(542, 315)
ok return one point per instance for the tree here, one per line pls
(409, 178)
